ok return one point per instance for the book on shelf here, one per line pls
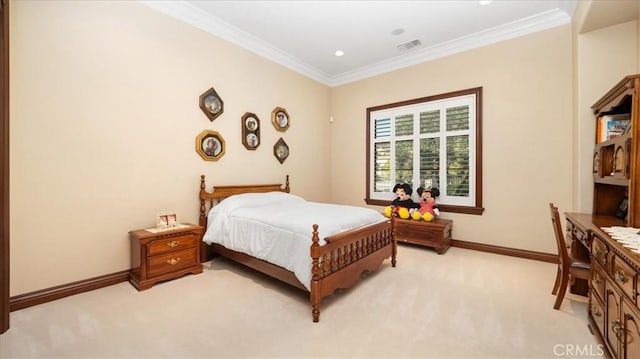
(616, 128)
(612, 126)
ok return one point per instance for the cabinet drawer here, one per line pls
(597, 280)
(172, 244)
(579, 235)
(171, 261)
(630, 335)
(599, 251)
(597, 313)
(625, 277)
(613, 324)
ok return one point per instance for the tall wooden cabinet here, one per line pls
(614, 284)
(616, 170)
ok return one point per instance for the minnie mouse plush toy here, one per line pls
(403, 202)
(428, 207)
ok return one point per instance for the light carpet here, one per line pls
(463, 304)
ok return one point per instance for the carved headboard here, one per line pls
(219, 193)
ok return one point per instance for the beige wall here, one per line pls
(104, 116)
(605, 56)
(526, 132)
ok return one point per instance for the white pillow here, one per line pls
(252, 200)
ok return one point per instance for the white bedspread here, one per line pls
(277, 227)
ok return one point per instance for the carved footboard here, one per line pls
(340, 262)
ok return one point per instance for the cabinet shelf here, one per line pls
(615, 160)
(611, 180)
(613, 141)
(612, 159)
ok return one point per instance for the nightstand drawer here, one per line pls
(172, 244)
(171, 262)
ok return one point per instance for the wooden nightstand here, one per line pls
(435, 234)
(164, 255)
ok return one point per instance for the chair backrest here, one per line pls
(563, 254)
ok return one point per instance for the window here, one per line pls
(428, 142)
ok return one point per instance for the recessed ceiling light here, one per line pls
(339, 53)
(397, 31)
(485, 2)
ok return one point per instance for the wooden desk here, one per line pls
(579, 229)
(614, 284)
(586, 222)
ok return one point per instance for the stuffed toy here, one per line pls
(403, 204)
(428, 207)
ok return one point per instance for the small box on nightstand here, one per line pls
(160, 255)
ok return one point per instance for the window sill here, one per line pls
(442, 207)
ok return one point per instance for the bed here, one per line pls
(334, 258)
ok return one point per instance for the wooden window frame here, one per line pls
(476, 208)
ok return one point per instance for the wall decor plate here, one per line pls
(280, 119)
(281, 150)
(210, 145)
(211, 104)
(250, 124)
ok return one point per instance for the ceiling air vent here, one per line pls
(409, 45)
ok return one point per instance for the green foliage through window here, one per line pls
(427, 142)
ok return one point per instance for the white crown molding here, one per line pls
(190, 14)
(511, 30)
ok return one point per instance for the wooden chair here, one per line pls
(568, 267)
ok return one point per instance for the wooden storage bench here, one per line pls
(435, 234)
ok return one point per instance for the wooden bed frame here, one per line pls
(337, 264)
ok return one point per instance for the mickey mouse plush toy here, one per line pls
(403, 202)
(428, 207)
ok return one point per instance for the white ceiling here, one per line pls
(304, 35)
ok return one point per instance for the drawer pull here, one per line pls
(173, 244)
(616, 327)
(596, 278)
(620, 277)
(173, 261)
(597, 314)
(618, 330)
